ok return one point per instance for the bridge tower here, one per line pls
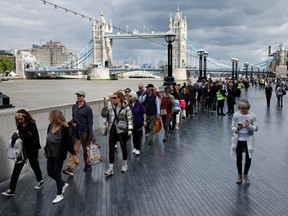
(102, 46)
(179, 27)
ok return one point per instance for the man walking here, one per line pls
(82, 120)
(152, 107)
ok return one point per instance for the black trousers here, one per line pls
(166, 123)
(33, 160)
(242, 147)
(54, 170)
(220, 105)
(268, 98)
(137, 137)
(122, 138)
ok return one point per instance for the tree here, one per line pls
(5, 64)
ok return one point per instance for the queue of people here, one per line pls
(132, 114)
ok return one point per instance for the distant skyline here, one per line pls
(241, 29)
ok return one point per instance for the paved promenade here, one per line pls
(191, 174)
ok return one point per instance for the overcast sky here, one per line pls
(225, 28)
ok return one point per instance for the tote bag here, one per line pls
(93, 154)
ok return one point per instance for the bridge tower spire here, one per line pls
(102, 46)
(179, 26)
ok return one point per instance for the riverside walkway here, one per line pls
(192, 174)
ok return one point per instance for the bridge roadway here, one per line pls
(191, 174)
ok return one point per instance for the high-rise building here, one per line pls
(53, 54)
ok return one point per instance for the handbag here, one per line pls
(158, 126)
(283, 92)
(122, 125)
(93, 154)
(15, 149)
(163, 112)
(104, 129)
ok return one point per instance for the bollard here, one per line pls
(5, 101)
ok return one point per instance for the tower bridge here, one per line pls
(103, 37)
(100, 47)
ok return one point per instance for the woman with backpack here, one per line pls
(28, 132)
(58, 142)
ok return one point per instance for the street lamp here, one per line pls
(236, 68)
(169, 37)
(205, 55)
(251, 75)
(246, 64)
(233, 62)
(258, 72)
(200, 52)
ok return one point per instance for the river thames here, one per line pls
(37, 94)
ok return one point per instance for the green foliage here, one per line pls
(5, 64)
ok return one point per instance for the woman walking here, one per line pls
(120, 121)
(28, 132)
(58, 142)
(167, 102)
(243, 127)
(139, 120)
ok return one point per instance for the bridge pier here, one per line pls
(98, 73)
(179, 74)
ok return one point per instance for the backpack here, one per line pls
(15, 149)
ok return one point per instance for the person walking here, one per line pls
(220, 94)
(231, 96)
(268, 93)
(28, 132)
(141, 90)
(120, 127)
(167, 102)
(82, 120)
(58, 142)
(280, 91)
(243, 126)
(152, 106)
(139, 120)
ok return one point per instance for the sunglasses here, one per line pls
(113, 98)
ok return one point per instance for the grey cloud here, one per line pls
(241, 29)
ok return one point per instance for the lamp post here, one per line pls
(205, 55)
(236, 68)
(169, 37)
(200, 52)
(246, 64)
(258, 72)
(233, 62)
(251, 75)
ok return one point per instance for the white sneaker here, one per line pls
(137, 152)
(58, 199)
(109, 172)
(134, 150)
(124, 168)
(64, 187)
(39, 185)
